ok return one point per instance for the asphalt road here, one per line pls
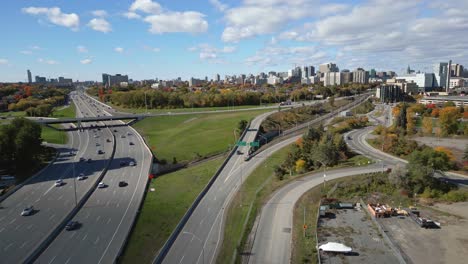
(107, 216)
(20, 235)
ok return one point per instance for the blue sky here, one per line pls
(167, 39)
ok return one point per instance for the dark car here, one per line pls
(239, 152)
(122, 184)
(123, 163)
(115, 130)
(349, 138)
(131, 143)
(72, 225)
(89, 160)
(108, 140)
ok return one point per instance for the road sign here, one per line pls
(255, 144)
(241, 143)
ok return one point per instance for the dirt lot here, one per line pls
(355, 229)
(449, 244)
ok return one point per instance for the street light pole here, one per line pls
(203, 244)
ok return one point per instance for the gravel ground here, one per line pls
(445, 245)
(354, 229)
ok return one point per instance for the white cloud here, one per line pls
(3, 61)
(86, 61)
(99, 13)
(131, 15)
(273, 55)
(332, 9)
(100, 24)
(218, 5)
(146, 6)
(55, 16)
(156, 49)
(190, 22)
(35, 47)
(119, 49)
(210, 53)
(258, 17)
(81, 49)
(26, 52)
(47, 61)
(166, 21)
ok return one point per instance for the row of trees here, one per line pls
(20, 146)
(314, 150)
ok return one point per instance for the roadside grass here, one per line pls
(255, 191)
(191, 137)
(13, 114)
(51, 135)
(68, 111)
(163, 209)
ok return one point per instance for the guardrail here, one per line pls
(47, 241)
(170, 241)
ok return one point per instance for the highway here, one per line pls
(21, 235)
(204, 230)
(107, 216)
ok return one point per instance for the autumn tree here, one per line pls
(427, 125)
(300, 165)
(410, 127)
(448, 120)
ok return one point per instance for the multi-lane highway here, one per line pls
(21, 235)
(107, 216)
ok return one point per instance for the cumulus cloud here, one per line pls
(166, 21)
(55, 16)
(212, 54)
(218, 5)
(119, 49)
(273, 55)
(190, 21)
(86, 61)
(81, 49)
(3, 61)
(100, 24)
(47, 61)
(26, 52)
(99, 13)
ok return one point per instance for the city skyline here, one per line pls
(168, 39)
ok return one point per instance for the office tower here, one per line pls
(29, 77)
(360, 76)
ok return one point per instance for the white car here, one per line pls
(101, 185)
(58, 183)
(27, 211)
(81, 177)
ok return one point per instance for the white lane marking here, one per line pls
(37, 200)
(108, 221)
(24, 244)
(1, 230)
(72, 235)
(182, 259)
(97, 219)
(7, 247)
(84, 237)
(52, 260)
(52, 216)
(3, 217)
(17, 227)
(118, 204)
(201, 222)
(68, 260)
(51, 187)
(97, 240)
(12, 221)
(29, 226)
(60, 197)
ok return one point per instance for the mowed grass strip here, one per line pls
(51, 135)
(68, 111)
(163, 209)
(188, 137)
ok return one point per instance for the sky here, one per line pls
(166, 39)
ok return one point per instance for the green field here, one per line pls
(13, 114)
(163, 209)
(188, 137)
(68, 111)
(51, 135)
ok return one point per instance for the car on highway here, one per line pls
(131, 143)
(101, 185)
(27, 211)
(115, 130)
(123, 163)
(108, 140)
(72, 225)
(59, 183)
(96, 136)
(122, 183)
(349, 138)
(122, 136)
(97, 144)
(239, 152)
(129, 134)
(82, 159)
(100, 152)
(89, 160)
(81, 177)
(132, 163)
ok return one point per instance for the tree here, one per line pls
(448, 120)
(331, 100)
(435, 112)
(242, 125)
(410, 127)
(427, 125)
(447, 151)
(300, 165)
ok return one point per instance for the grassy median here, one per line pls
(163, 209)
(191, 137)
(54, 136)
(68, 111)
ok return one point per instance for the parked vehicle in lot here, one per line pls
(122, 183)
(101, 185)
(72, 225)
(58, 183)
(27, 211)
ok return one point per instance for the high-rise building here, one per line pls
(346, 76)
(40, 79)
(332, 78)
(360, 76)
(216, 78)
(63, 80)
(372, 73)
(456, 70)
(110, 80)
(423, 80)
(308, 71)
(29, 77)
(441, 74)
(328, 67)
(389, 93)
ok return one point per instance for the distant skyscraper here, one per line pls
(372, 73)
(29, 77)
(110, 80)
(360, 76)
(456, 70)
(216, 78)
(328, 67)
(441, 73)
